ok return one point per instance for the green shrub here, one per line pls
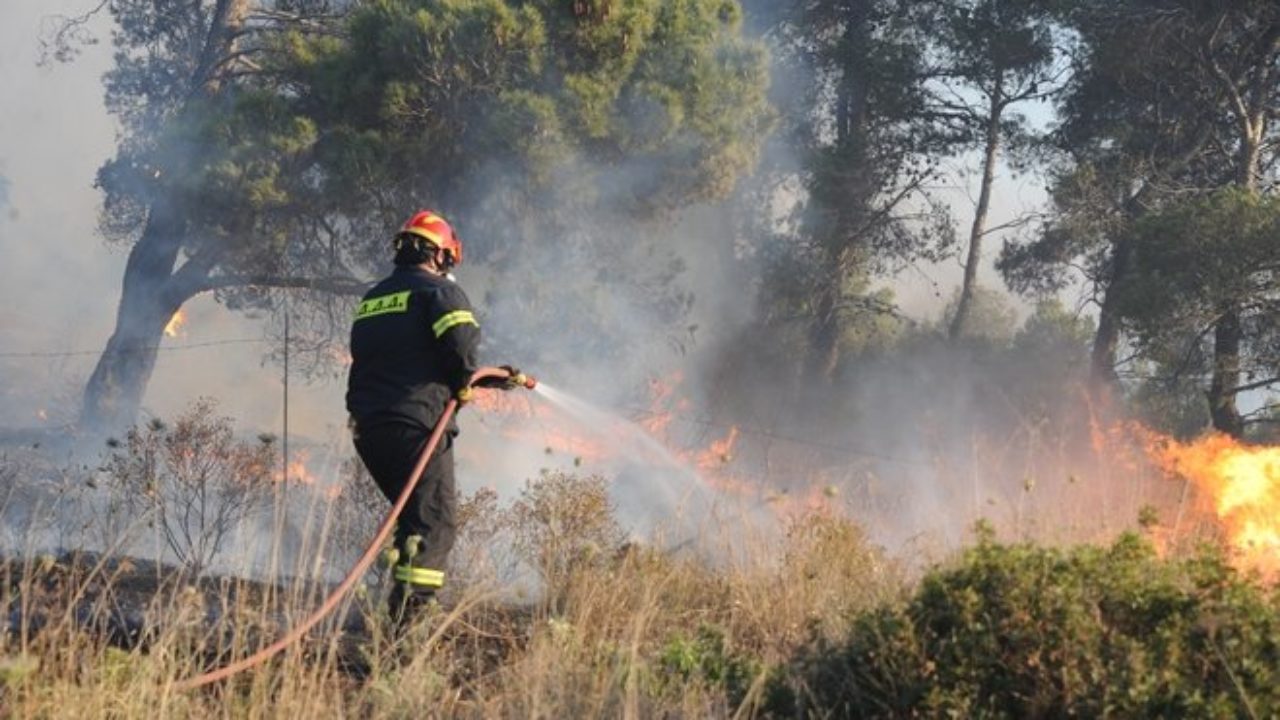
(708, 658)
(1026, 631)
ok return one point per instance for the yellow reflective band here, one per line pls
(393, 303)
(457, 317)
(423, 577)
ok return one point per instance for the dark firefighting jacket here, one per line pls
(413, 346)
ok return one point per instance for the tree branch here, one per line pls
(1258, 385)
(1021, 221)
(334, 285)
(1260, 417)
(61, 35)
(1265, 62)
(1243, 116)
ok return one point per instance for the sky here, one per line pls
(55, 293)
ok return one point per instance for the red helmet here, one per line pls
(430, 226)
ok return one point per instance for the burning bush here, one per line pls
(193, 482)
(1026, 631)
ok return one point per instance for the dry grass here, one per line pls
(552, 609)
(605, 627)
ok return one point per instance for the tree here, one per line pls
(272, 144)
(1235, 51)
(200, 196)
(991, 55)
(1184, 112)
(1048, 364)
(868, 152)
(1191, 260)
(1122, 140)
(560, 142)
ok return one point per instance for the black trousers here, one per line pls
(389, 450)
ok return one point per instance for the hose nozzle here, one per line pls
(528, 382)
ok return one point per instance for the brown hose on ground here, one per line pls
(362, 565)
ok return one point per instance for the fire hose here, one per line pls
(362, 565)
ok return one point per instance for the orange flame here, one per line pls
(663, 404)
(719, 453)
(174, 328)
(1241, 485)
(296, 471)
(523, 420)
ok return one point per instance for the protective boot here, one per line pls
(413, 595)
(407, 606)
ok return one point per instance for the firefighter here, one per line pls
(413, 347)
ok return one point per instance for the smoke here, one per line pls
(918, 440)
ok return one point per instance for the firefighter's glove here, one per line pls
(466, 395)
(513, 380)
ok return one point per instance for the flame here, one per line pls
(523, 420)
(719, 453)
(174, 328)
(1241, 486)
(42, 414)
(664, 403)
(296, 470)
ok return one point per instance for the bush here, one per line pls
(194, 481)
(563, 523)
(358, 509)
(1025, 631)
(708, 658)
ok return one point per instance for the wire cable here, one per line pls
(136, 349)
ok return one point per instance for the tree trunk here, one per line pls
(847, 202)
(965, 302)
(221, 41)
(1106, 340)
(1226, 374)
(150, 295)
(1227, 333)
(824, 334)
